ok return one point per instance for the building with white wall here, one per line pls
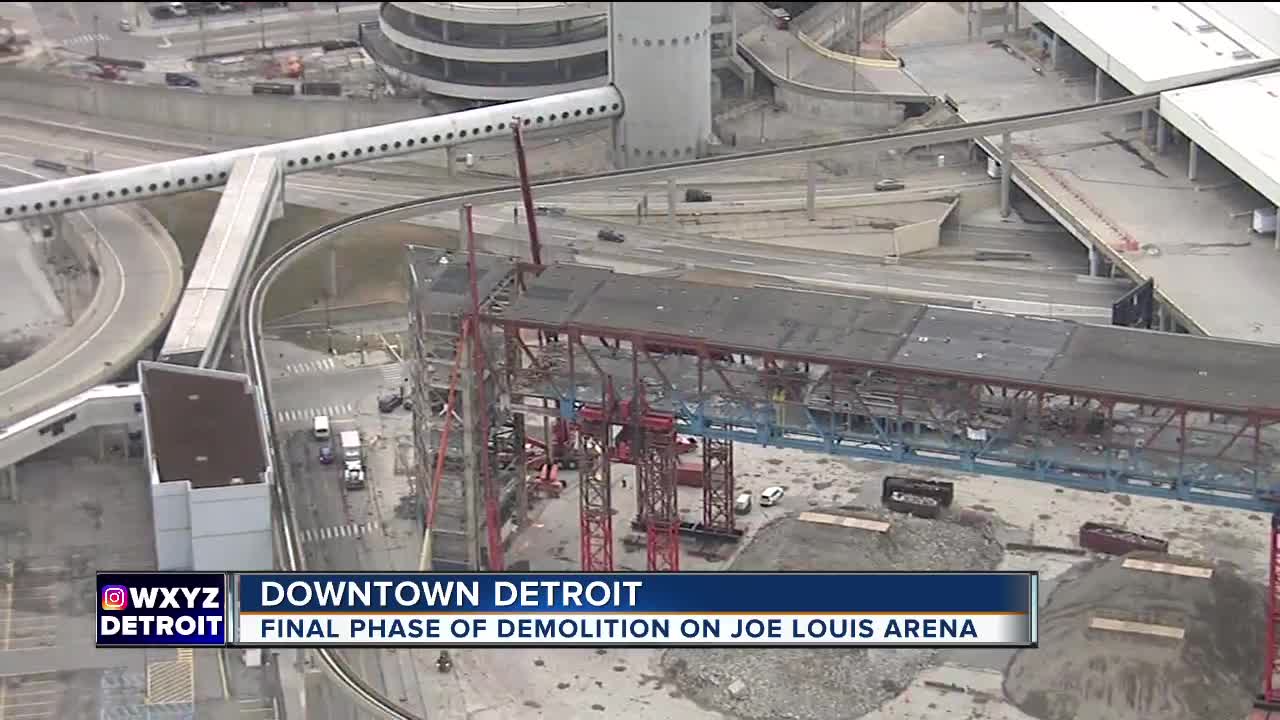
(493, 51)
(210, 496)
(1158, 46)
(660, 58)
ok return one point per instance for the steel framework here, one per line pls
(717, 485)
(1089, 440)
(1196, 450)
(595, 487)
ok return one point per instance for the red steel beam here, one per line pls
(526, 192)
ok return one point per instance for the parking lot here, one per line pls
(75, 516)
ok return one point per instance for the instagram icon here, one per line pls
(115, 597)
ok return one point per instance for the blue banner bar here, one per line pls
(892, 593)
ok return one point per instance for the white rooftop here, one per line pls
(1235, 121)
(1152, 46)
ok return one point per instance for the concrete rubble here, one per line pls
(813, 684)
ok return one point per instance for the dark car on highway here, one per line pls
(612, 236)
(326, 455)
(180, 80)
(387, 403)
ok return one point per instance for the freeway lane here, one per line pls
(140, 281)
(1061, 295)
(73, 26)
(1052, 295)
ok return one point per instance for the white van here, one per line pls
(320, 427)
(771, 496)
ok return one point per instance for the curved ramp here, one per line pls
(793, 62)
(139, 280)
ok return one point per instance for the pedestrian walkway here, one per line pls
(338, 532)
(313, 367)
(392, 374)
(306, 414)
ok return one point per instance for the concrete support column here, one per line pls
(1008, 15)
(811, 191)
(1278, 229)
(1017, 8)
(332, 285)
(1162, 133)
(471, 445)
(1053, 51)
(857, 28)
(1146, 127)
(9, 484)
(1098, 79)
(968, 16)
(1006, 173)
(1095, 261)
(462, 229)
(1193, 160)
(451, 159)
(671, 200)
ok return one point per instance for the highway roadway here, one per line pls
(1063, 295)
(350, 529)
(72, 25)
(652, 245)
(140, 280)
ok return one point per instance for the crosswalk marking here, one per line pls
(335, 532)
(392, 374)
(306, 414)
(85, 39)
(312, 367)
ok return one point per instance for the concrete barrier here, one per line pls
(916, 237)
(857, 60)
(219, 114)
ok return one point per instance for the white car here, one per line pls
(743, 504)
(770, 496)
(125, 25)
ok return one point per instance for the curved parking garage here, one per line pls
(492, 52)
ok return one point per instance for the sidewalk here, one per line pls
(150, 27)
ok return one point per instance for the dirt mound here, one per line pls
(1080, 672)
(829, 684)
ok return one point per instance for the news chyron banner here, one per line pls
(570, 610)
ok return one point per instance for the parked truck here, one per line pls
(353, 469)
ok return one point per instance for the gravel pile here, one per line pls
(835, 684)
(1079, 672)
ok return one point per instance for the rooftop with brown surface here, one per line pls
(203, 425)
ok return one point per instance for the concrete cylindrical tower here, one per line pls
(660, 57)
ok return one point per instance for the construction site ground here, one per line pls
(993, 514)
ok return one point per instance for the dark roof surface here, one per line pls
(204, 426)
(1207, 372)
